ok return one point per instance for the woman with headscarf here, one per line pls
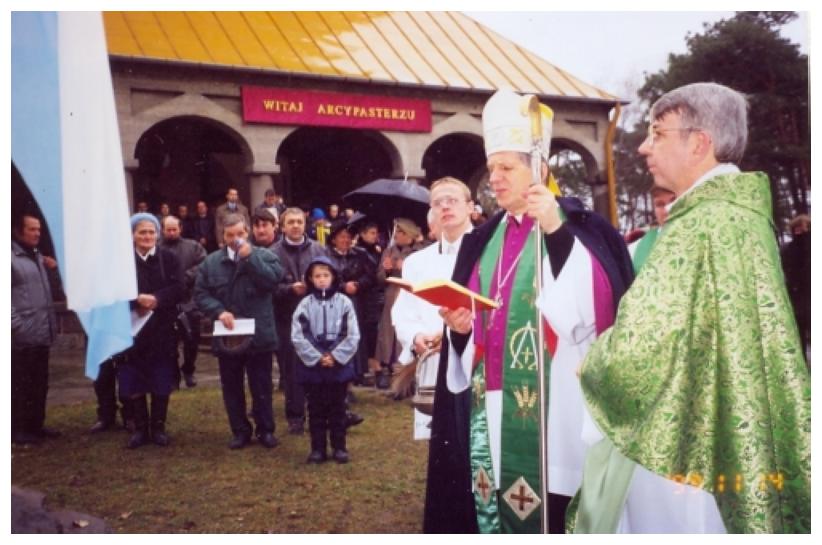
(150, 365)
(404, 241)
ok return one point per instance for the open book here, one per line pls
(445, 293)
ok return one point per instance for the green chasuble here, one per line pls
(701, 379)
(644, 247)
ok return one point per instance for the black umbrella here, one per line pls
(383, 200)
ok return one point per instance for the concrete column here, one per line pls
(599, 192)
(129, 172)
(258, 183)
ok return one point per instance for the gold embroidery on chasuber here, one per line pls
(529, 298)
(483, 485)
(521, 498)
(478, 389)
(523, 348)
(526, 401)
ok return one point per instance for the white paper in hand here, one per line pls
(242, 326)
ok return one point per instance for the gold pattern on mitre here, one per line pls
(506, 124)
(521, 498)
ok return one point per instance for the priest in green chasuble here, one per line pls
(698, 395)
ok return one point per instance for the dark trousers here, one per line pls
(105, 388)
(191, 343)
(557, 505)
(232, 377)
(287, 361)
(29, 388)
(368, 331)
(326, 414)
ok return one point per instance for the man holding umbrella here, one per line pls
(484, 466)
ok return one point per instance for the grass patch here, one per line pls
(198, 485)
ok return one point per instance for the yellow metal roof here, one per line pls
(441, 49)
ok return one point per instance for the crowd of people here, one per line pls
(676, 366)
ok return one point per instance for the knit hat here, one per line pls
(144, 216)
(506, 125)
(317, 214)
(409, 227)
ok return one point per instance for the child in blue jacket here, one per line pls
(325, 335)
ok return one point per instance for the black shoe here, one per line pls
(340, 456)
(316, 457)
(296, 426)
(191, 382)
(100, 426)
(160, 437)
(48, 433)
(383, 380)
(239, 441)
(352, 419)
(25, 438)
(268, 440)
(137, 439)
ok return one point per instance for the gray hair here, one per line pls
(713, 108)
(233, 219)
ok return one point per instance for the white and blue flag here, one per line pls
(66, 145)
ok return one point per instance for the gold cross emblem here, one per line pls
(521, 498)
(483, 486)
(523, 348)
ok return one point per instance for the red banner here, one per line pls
(297, 107)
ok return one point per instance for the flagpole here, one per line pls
(536, 178)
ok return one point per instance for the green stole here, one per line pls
(515, 508)
(643, 248)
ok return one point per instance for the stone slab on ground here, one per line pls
(30, 516)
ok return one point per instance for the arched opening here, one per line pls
(320, 165)
(459, 155)
(24, 203)
(187, 159)
(575, 170)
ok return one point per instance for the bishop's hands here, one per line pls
(460, 320)
(543, 207)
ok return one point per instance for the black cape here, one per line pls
(449, 501)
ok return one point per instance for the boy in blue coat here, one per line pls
(325, 335)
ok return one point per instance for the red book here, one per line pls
(446, 293)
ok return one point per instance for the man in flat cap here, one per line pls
(483, 472)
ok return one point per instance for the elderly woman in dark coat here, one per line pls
(150, 365)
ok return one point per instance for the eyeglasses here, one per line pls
(445, 202)
(655, 134)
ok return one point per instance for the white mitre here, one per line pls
(506, 125)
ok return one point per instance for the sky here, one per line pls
(612, 50)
